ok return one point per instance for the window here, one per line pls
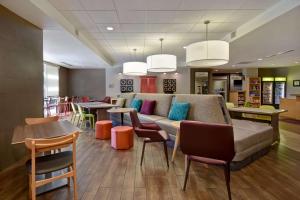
(51, 80)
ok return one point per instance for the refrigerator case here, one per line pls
(279, 92)
(267, 93)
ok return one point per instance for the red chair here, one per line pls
(85, 99)
(136, 122)
(150, 135)
(207, 143)
(106, 100)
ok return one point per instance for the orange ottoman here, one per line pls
(102, 130)
(122, 137)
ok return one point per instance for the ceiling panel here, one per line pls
(104, 16)
(131, 16)
(97, 4)
(67, 4)
(211, 4)
(133, 28)
(258, 4)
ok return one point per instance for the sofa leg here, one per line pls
(187, 170)
(143, 151)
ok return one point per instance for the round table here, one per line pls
(121, 111)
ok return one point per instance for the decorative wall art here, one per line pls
(169, 86)
(126, 85)
(296, 83)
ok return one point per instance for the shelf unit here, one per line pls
(254, 91)
(238, 98)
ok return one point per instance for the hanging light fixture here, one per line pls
(161, 62)
(207, 53)
(135, 68)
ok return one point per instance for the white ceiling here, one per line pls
(140, 23)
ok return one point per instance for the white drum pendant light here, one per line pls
(207, 53)
(135, 68)
(161, 62)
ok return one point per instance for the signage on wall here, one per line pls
(169, 86)
(126, 85)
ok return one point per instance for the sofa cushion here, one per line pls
(163, 102)
(148, 107)
(128, 97)
(179, 111)
(120, 102)
(248, 134)
(136, 104)
(149, 118)
(205, 108)
(166, 124)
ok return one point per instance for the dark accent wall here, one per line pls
(63, 81)
(21, 80)
(87, 82)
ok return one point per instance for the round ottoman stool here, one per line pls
(122, 137)
(102, 130)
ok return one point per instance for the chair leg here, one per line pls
(143, 151)
(75, 184)
(69, 178)
(166, 152)
(227, 179)
(29, 191)
(33, 189)
(187, 170)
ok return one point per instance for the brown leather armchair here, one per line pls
(151, 132)
(106, 100)
(207, 143)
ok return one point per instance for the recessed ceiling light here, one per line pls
(165, 73)
(297, 62)
(233, 65)
(272, 64)
(184, 47)
(216, 70)
(109, 28)
(120, 73)
(176, 73)
(259, 59)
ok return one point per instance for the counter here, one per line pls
(293, 107)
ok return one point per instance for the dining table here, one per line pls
(44, 131)
(100, 108)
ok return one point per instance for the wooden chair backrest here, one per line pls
(73, 107)
(80, 110)
(42, 145)
(41, 120)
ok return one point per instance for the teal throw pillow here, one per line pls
(179, 111)
(136, 104)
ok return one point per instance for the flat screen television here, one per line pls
(238, 84)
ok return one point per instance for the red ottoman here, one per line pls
(122, 137)
(102, 130)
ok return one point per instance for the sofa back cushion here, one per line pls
(205, 108)
(148, 107)
(128, 97)
(179, 111)
(163, 102)
(136, 104)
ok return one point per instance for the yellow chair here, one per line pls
(264, 117)
(83, 118)
(75, 113)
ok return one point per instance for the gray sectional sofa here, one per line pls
(252, 139)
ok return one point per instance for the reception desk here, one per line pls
(293, 107)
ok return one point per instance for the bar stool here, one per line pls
(122, 137)
(102, 130)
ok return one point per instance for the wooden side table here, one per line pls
(121, 111)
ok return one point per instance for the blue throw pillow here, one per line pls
(179, 111)
(136, 104)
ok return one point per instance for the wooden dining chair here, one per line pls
(51, 163)
(75, 113)
(41, 120)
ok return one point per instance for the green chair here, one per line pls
(75, 113)
(229, 105)
(83, 118)
(264, 117)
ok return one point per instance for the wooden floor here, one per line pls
(104, 173)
